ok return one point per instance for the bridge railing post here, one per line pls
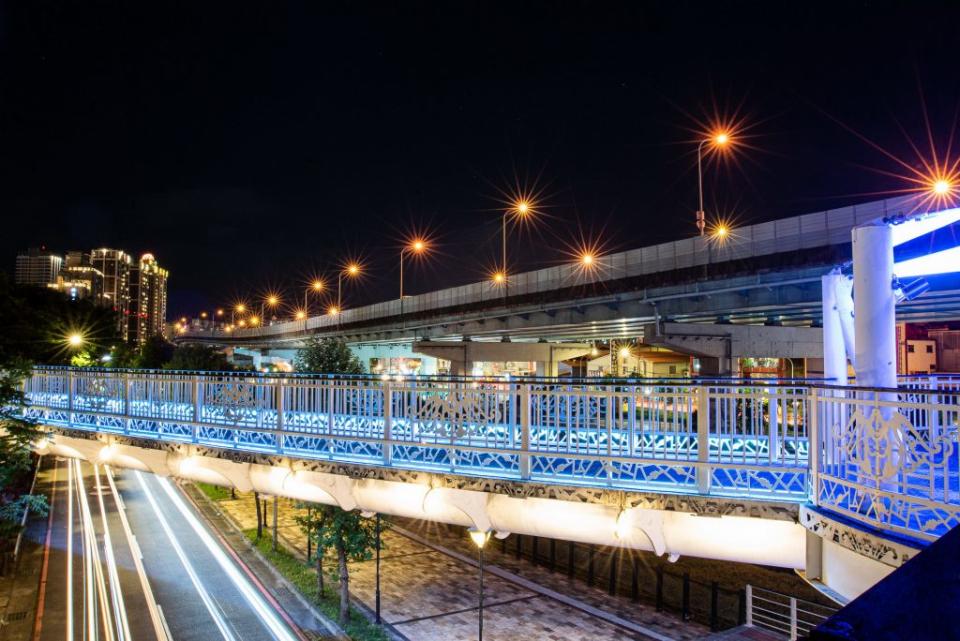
(70, 386)
(813, 443)
(749, 608)
(127, 390)
(524, 431)
(773, 438)
(280, 420)
(703, 439)
(331, 402)
(387, 422)
(197, 414)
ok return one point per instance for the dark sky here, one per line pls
(250, 144)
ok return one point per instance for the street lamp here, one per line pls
(416, 246)
(521, 209)
(351, 270)
(75, 340)
(272, 300)
(718, 140)
(254, 321)
(239, 309)
(318, 286)
(480, 538)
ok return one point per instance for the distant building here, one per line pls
(147, 314)
(81, 282)
(115, 266)
(37, 267)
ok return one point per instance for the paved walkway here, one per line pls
(430, 595)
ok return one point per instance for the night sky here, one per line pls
(249, 145)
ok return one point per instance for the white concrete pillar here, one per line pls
(874, 320)
(834, 350)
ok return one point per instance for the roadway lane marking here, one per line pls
(159, 625)
(116, 595)
(267, 615)
(191, 572)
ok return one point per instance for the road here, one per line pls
(128, 558)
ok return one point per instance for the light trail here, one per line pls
(191, 572)
(96, 577)
(69, 625)
(256, 601)
(156, 619)
(116, 595)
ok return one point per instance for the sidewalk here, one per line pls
(428, 594)
(20, 587)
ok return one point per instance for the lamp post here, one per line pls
(521, 209)
(480, 538)
(719, 139)
(416, 246)
(271, 300)
(352, 270)
(316, 286)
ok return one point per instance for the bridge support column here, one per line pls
(874, 306)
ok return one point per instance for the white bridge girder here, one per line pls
(773, 542)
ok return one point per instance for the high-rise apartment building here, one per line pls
(37, 266)
(115, 266)
(147, 314)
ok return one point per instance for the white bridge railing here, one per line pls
(889, 459)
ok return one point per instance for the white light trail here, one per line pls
(155, 617)
(95, 576)
(119, 609)
(256, 601)
(191, 572)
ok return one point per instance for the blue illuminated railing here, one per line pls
(736, 439)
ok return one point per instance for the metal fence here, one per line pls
(888, 458)
(785, 614)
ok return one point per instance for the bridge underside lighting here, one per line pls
(942, 262)
(922, 225)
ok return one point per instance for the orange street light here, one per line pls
(499, 278)
(254, 321)
(333, 310)
(521, 209)
(352, 269)
(416, 246)
(318, 285)
(942, 187)
(300, 315)
(587, 259)
(718, 139)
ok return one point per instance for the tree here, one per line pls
(154, 354)
(198, 358)
(312, 524)
(17, 434)
(352, 537)
(328, 355)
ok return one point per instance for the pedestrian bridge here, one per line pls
(874, 472)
